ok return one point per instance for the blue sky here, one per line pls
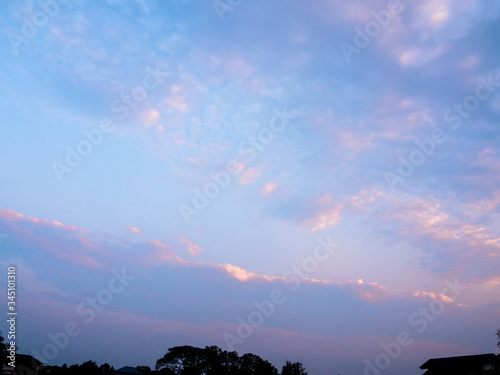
(207, 149)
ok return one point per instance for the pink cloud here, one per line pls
(427, 217)
(12, 215)
(326, 213)
(250, 175)
(416, 57)
(74, 246)
(149, 117)
(134, 230)
(452, 240)
(442, 297)
(241, 274)
(268, 188)
(368, 291)
(192, 248)
(364, 199)
(163, 252)
(176, 99)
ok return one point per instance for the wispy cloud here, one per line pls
(134, 230)
(192, 248)
(268, 188)
(323, 213)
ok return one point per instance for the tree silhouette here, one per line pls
(293, 369)
(3, 351)
(146, 370)
(230, 362)
(498, 338)
(182, 360)
(185, 360)
(73, 370)
(165, 371)
(253, 364)
(212, 360)
(106, 369)
(89, 368)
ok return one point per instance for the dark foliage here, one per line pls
(3, 351)
(212, 360)
(293, 369)
(86, 368)
(146, 370)
(179, 360)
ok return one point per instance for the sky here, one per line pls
(314, 181)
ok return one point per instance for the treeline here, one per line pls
(179, 360)
(86, 368)
(212, 360)
(189, 360)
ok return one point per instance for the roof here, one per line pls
(461, 364)
(27, 360)
(128, 370)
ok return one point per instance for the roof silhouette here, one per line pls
(128, 370)
(459, 365)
